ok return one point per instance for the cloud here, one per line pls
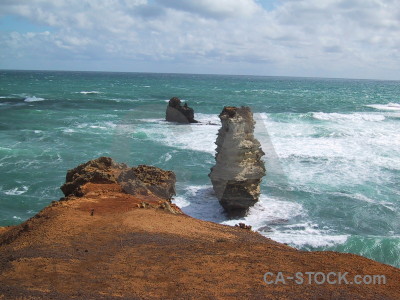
(220, 9)
(347, 38)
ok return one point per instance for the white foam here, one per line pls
(268, 209)
(389, 106)
(294, 226)
(197, 137)
(348, 117)
(361, 197)
(33, 99)
(16, 191)
(69, 130)
(168, 156)
(351, 151)
(98, 125)
(308, 236)
(89, 92)
(199, 201)
(182, 100)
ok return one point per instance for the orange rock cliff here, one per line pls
(116, 235)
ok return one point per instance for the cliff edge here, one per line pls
(104, 242)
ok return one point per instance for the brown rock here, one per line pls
(144, 178)
(179, 113)
(100, 170)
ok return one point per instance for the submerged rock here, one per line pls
(179, 113)
(237, 173)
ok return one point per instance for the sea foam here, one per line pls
(348, 117)
(89, 92)
(16, 191)
(33, 99)
(389, 106)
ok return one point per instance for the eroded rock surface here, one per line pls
(100, 170)
(140, 180)
(237, 173)
(176, 112)
(144, 178)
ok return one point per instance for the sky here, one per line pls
(307, 38)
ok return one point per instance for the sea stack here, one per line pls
(237, 174)
(176, 112)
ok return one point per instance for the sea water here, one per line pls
(332, 148)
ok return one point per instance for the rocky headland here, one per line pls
(116, 235)
(176, 112)
(238, 171)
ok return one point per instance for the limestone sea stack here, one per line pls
(176, 112)
(237, 174)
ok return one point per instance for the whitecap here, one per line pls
(389, 106)
(16, 191)
(197, 137)
(348, 117)
(168, 156)
(182, 100)
(69, 130)
(97, 127)
(308, 236)
(89, 92)
(33, 99)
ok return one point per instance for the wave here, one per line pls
(389, 106)
(196, 137)
(281, 220)
(347, 117)
(89, 92)
(287, 222)
(33, 99)
(16, 191)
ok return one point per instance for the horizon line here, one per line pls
(209, 74)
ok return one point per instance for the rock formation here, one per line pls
(237, 173)
(176, 112)
(142, 180)
(107, 244)
(148, 178)
(100, 170)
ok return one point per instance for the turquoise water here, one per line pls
(332, 148)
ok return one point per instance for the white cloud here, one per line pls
(214, 9)
(346, 38)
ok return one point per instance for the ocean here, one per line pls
(332, 148)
